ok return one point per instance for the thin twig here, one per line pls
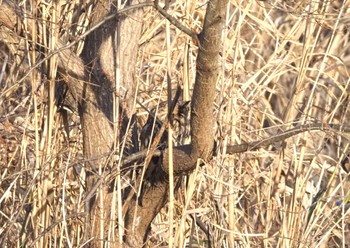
(175, 22)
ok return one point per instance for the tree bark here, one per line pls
(100, 55)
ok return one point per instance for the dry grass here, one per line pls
(284, 63)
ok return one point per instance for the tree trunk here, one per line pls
(118, 36)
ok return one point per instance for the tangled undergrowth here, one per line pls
(285, 63)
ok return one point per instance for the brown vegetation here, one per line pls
(266, 163)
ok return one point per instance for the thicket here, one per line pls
(284, 73)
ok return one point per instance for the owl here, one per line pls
(180, 126)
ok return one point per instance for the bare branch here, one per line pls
(175, 22)
(254, 145)
(285, 135)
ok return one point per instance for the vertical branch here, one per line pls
(116, 120)
(170, 140)
(208, 72)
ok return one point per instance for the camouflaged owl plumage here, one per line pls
(180, 126)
